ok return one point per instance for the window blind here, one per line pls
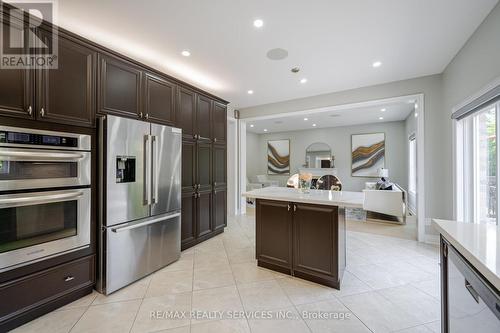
(477, 104)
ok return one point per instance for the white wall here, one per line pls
(339, 139)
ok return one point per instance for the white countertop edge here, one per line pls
(477, 263)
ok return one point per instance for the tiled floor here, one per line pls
(391, 285)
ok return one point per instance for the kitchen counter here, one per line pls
(478, 243)
(317, 197)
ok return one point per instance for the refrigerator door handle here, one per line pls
(147, 169)
(155, 170)
(145, 223)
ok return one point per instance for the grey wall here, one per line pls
(253, 149)
(339, 139)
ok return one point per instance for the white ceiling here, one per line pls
(332, 117)
(334, 42)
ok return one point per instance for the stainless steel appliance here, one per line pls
(472, 304)
(140, 172)
(44, 195)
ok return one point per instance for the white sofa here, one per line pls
(386, 202)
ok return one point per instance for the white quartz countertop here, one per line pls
(318, 197)
(478, 243)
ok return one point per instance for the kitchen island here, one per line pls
(303, 234)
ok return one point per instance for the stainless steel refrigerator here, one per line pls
(140, 200)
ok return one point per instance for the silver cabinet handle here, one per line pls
(42, 112)
(154, 163)
(146, 116)
(69, 278)
(30, 110)
(288, 207)
(140, 114)
(26, 155)
(147, 169)
(215, 139)
(294, 207)
(145, 223)
(14, 200)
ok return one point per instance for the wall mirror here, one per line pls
(319, 155)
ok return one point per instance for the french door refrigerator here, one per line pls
(140, 200)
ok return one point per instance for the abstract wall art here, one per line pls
(368, 154)
(278, 157)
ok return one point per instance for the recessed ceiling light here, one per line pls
(383, 109)
(377, 64)
(250, 92)
(416, 105)
(265, 129)
(304, 80)
(416, 114)
(258, 23)
(186, 53)
(380, 118)
(306, 119)
(251, 125)
(314, 125)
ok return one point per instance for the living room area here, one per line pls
(369, 147)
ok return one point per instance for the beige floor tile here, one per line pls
(186, 262)
(213, 277)
(164, 312)
(221, 326)
(170, 282)
(55, 322)
(263, 295)
(250, 272)
(238, 256)
(217, 299)
(137, 290)
(338, 318)
(112, 317)
(206, 260)
(184, 329)
(417, 329)
(351, 285)
(301, 292)
(283, 320)
(85, 301)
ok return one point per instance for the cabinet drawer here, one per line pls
(36, 289)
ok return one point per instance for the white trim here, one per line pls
(421, 218)
(232, 164)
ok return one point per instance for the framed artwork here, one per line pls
(367, 154)
(278, 157)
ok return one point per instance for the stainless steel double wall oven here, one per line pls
(45, 199)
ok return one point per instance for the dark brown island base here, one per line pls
(303, 235)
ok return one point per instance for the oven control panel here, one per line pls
(37, 139)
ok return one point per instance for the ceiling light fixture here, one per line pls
(416, 114)
(416, 105)
(304, 80)
(186, 53)
(383, 109)
(250, 92)
(314, 125)
(380, 118)
(377, 64)
(306, 119)
(265, 129)
(251, 125)
(258, 23)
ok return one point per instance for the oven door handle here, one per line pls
(145, 223)
(16, 155)
(28, 200)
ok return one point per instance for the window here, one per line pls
(477, 167)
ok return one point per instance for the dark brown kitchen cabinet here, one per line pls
(304, 240)
(188, 218)
(219, 122)
(189, 177)
(219, 166)
(159, 100)
(204, 212)
(220, 209)
(186, 112)
(16, 85)
(204, 118)
(274, 235)
(67, 94)
(120, 85)
(204, 166)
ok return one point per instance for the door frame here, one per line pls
(422, 220)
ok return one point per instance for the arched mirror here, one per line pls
(319, 155)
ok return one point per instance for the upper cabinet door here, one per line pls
(67, 94)
(219, 122)
(219, 166)
(16, 87)
(186, 112)
(204, 118)
(119, 87)
(160, 100)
